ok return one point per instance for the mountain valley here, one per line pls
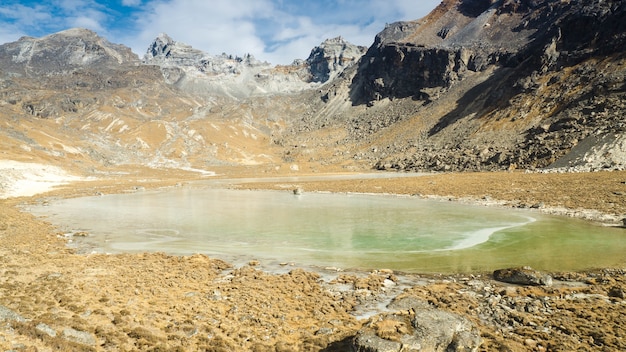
(503, 103)
(473, 86)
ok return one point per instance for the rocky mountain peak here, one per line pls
(76, 32)
(331, 57)
(165, 51)
(161, 46)
(196, 70)
(63, 52)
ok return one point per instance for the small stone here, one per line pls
(616, 292)
(509, 291)
(324, 331)
(530, 343)
(41, 327)
(81, 337)
(385, 271)
(332, 268)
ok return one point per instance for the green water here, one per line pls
(347, 231)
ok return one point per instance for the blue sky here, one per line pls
(277, 31)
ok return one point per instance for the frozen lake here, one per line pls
(340, 230)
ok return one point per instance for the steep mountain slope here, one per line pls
(492, 85)
(475, 85)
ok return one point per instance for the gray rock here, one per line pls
(368, 342)
(523, 276)
(442, 331)
(420, 328)
(41, 327)
(407, 303)
(9, 315)
(81, 337)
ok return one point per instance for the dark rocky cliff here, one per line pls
(552, 69)
(472, 35)
(331, 58)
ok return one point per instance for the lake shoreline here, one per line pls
(154, 300)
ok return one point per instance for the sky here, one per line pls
(276, 31)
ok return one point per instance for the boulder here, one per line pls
(7, 314)
(81, 337)
(523, 276)
(418, 328)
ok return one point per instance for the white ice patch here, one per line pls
(483, 235)
(19, 179)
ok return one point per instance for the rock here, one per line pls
(407, 303)
(41, 327)
(617, 292)
(420, 328)
(523, 276)
(9, 315)
(81, 337)
(373, 343)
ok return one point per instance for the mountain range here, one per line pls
(475, 85)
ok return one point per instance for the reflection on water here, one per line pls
(349, 231)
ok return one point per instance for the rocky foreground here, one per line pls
(52, 298)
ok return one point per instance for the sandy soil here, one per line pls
(54, 299)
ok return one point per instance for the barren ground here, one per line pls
(54, 299)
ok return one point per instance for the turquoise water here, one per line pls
(346, 231)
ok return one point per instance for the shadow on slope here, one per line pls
(483, 98)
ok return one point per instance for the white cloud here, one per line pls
(277, 31)
(86, 22)
(20, 18)
(83, 13)
(216, 27)
(356, 21)
(265, 29)
(24, 15)
(402, 10)
(10, 34)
